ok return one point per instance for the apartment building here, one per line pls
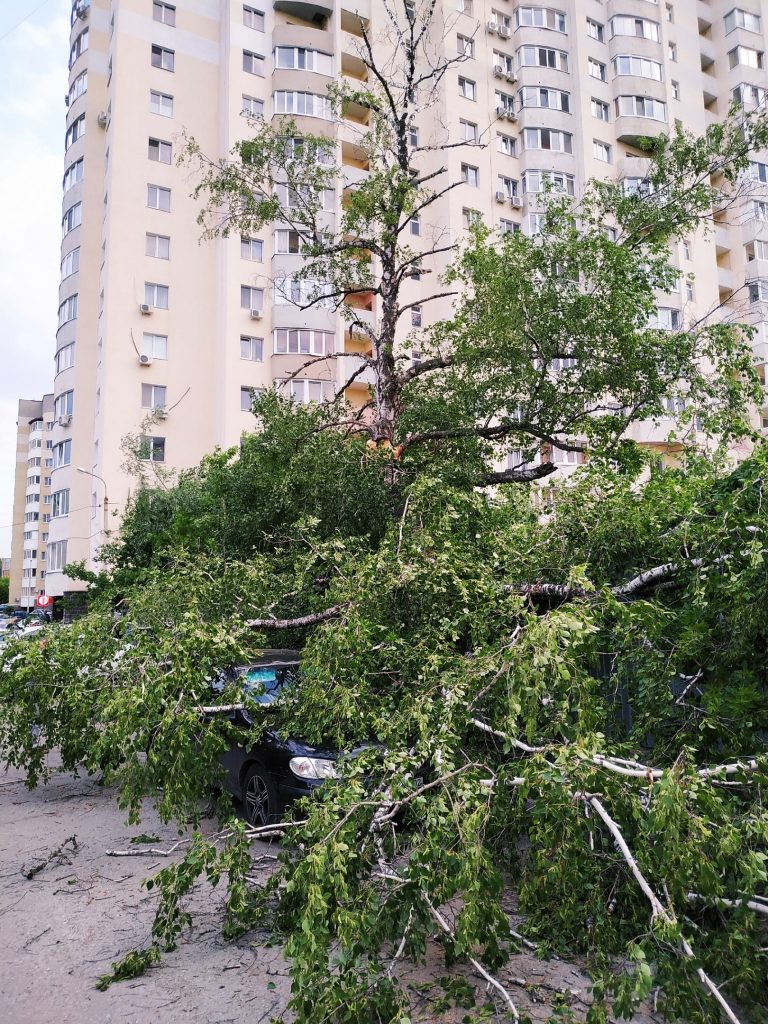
(36, 457)
(162, 337)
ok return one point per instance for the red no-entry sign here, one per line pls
(43, 601)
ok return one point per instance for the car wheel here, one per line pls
(259, 798)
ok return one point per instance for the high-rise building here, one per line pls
(162, 337)
(36, 457)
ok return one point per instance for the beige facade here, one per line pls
(151, 318)
(35, 457)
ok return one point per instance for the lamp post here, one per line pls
(96, 476)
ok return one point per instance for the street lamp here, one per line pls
(81, 469)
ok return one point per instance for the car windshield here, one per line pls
(264, 684)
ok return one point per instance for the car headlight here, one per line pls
(313, 768)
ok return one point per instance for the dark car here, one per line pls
(272, 772)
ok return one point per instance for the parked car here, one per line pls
(272, 772)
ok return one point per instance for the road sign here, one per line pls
(43, 601)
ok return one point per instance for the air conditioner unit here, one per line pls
(504, 31)
(145, 308)
(517, 203)
(510, 114)
(101, 120)
(492, 27)
(65, 420)
(145, 360)
(256, 314)
(498, 70)
(500, 197)
(501, 110)
(511, 76)
(161, 414)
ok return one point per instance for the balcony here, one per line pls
(632, 130)
(760, 353)
(722, 239)
(315, 12)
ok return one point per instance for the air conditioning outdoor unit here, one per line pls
(498, 70)
(511, 76)
(501, 110)
(504, 31)
(161, 414)
(145, 308)
(101, 120)
(256, 314)
(517, 203)
(492, 27)
(500, 197)
(65, 420)
(145, 360)
(510, 114)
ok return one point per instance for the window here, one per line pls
(152, 449)
(508, 227)
(553, 99)
(302, 103)
(164, 13)
(675, 90)
(252, 106)
(746, 56)
(758, 291)
(79, 46)
(153, 396)
(70, 264)
(299, 58)
(293, 199)
(75, 131)
(601, 151)
(160, 151)
(468, 131)
(65, 357)
(288, 241)
(304, 391)
(160, 103)
(158, 198)
(251, 348)
(251, 298)
(672, 52)
(156, 295)
(60, 503)
(556, 181)
(599, 109)
(303, 341)
(595, 30)
(666, 319)
(640, 187)
(155, 346)
(413, 136)
(686, 250)
(158, 246)
(253, 18)
(756, 250)
(596, 69)
(68, 310)
(63, 406)
(73, 174)
(689, 291)
(78, 87)
(252, 249)
(748, 95)
(57, 556)
(469, 217)
(467, 88)
(253, 63)
(540, 17)
(641, 106)
(415, 225)
(246, 399)
(542, 57)
(547, 138)
(502, 21)
(505, 103)
(503, 63)
(505, 144)
(62, 454)
(470, 174)
(741, 19)
(640, 27)
(506, 185)
(162, 58)
(416, 316)
(566, 458)
(640, 67)
(304, 292)
(669, 12)
(465, 6)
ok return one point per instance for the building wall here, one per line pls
(201, 367)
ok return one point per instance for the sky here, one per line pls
(33, 83)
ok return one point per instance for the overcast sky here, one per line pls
(33, 82)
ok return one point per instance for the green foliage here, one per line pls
(4, 589)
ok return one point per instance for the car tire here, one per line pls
(259, 798)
